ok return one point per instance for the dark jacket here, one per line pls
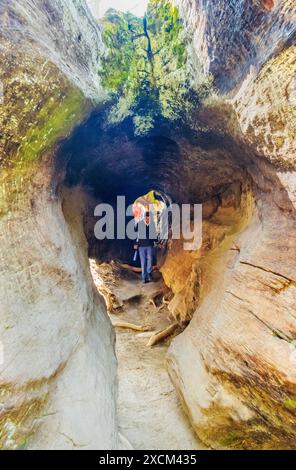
(147, 234)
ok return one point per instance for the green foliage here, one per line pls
(290, 403)
(118, 66)
(146, 67)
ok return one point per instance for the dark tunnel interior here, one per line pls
(112, 162)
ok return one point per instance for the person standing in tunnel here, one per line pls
(146, 240)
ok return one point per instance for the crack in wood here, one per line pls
(268, 271)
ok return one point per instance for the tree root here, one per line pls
(162, 334)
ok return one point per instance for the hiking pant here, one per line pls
(146, 257)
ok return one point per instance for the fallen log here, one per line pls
(162, 334)
(153, 303)
(161, 307)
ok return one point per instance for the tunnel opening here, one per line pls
(96, 165)
(183, 166)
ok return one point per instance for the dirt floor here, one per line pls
(150, 415)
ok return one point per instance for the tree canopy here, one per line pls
(146, 67)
